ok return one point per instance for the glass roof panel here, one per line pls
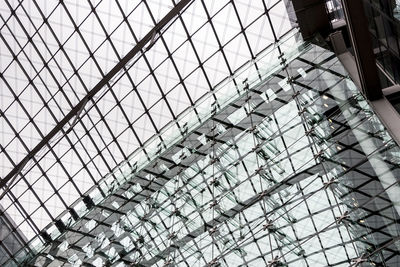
(226, 140)
(54, 53)
(259, 179)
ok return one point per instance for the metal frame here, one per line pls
(77, 110)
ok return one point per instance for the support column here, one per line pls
(360, 39)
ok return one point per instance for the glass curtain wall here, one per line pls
(227, 141)
(289, 168)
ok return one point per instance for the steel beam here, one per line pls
(76, 110)
(360, 39)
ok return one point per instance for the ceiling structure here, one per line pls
(276, 159)
(54, 53)
(289, 167)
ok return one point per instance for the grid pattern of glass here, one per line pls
(292, 167)
(54, 52)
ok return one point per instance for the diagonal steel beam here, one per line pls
(149, 37)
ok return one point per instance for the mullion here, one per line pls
(3, 214)
(315, 228)
(195, 50)
(217, 38)
(146, 109)
(102, 222)
(67, 98)
(38, 93)
(183, 258)
(22, 211)
(147, 232)
(94, 104)
(132, 82)
(64, 95)
(98, 66)
(75, 71)
(181, 80)
(180, 248)
(58, 160)
(29, 221)
(334, 215)
(251, 232)
(299, 245)
(368, 210)
(285, 216)
(198, 249)
(280, 248)
(189, 39)
(314, 148)
(112, 92)
(163, 95)
(366, 131)
(12, 12)
(202, 175)
(36, 164)
(33, 85)
(269, 18)
(36, 32)
(313, 253)
(204, 222)
(337, 204)
(270, 171)
(356, 190)
(173, 62)
(169, 56)
(201, 214)
(303, 122)
(197, 67)
(247, 224)
(308, 216)
(83, 125)
(382, 229)
(243, 30)
(237, 245)
(128, 75)
(303, 197)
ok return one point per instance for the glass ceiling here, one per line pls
(277, 159)
(290, 167)
(54, 52)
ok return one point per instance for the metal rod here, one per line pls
(75, 110)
